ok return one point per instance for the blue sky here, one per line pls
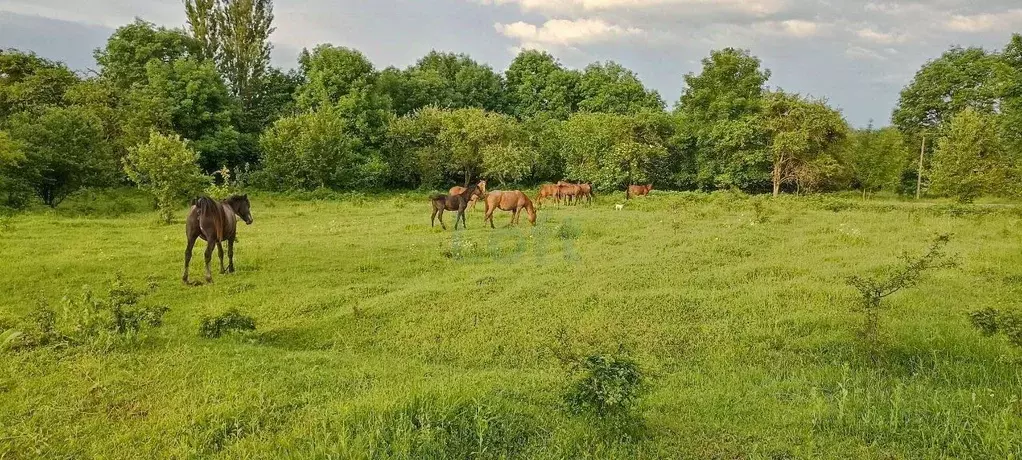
(857, 54)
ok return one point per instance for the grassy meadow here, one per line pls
(380, 337)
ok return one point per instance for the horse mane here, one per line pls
(207, 207)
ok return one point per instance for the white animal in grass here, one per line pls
(619, 206)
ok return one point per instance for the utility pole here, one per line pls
(919, 178)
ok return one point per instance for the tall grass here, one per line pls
(379, 337)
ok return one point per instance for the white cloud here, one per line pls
(561, 7)
(883, 38)
(861, 53)
(565, 33)
(985, 22)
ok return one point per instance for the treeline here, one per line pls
(168, 108)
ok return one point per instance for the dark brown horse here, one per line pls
(480, 193)
(458, 202)
(513, 201)
(214, 222)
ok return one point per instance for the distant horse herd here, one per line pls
(216, 222)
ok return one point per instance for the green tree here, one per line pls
(543, 135)
(959, 79)
(801, 131)
(14, 191)
(131, 47)
(332, 72)
(876, 158)
(536, 83)
(235, 34)
(969, 158)
(723, 105)
(454, 81)
(186, 97)
(612, 88)
(30, 82)
(314, 150)
(275, 98)
(1011, 97)
(65, 150)
(166, 168)
(611, 150)
(467, 133)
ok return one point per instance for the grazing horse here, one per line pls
(513, 201)
(456, 190)
(548, 191)
(214, 223)
(568, 191)
(453, 202)
(638, 190)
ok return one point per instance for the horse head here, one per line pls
(241, 207)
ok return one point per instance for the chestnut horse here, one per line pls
(453, 202)
(214, 222)
(638, 190)
(548, 191)
(513, 201)
(568, 191)
(586, 191)
(457, 189)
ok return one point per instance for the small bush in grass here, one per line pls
(230, 321)
(990, 322)
(873, 290)
(569, 231)
(608, 386)
(94, 320)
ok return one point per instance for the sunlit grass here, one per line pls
(378, 336)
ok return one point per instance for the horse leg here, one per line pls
(432, 219)
(230, 256)
(220, 252)
(210, 245)
(441, 217)
(489, 216)
(188, 257)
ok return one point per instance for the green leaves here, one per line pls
(65, 149)
(969, 158)
(311, 150)
(165, 167)
(723, 105)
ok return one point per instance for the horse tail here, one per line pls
(208, 207)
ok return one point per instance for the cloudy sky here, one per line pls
(856, 53)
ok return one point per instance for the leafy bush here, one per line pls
(232, 320)
(89, 320)
(309, 151)
(990, 321)
(98, 321)
(166, 168)
(608, 386)
(65, 149)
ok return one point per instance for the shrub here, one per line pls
(990, 321)
(608, 386)
(873, 290)
(119, 316)
(229, 321)
(64, 148)
(166, 168)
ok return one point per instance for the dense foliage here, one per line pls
(336, 121)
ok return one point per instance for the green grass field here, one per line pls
(379, 337)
